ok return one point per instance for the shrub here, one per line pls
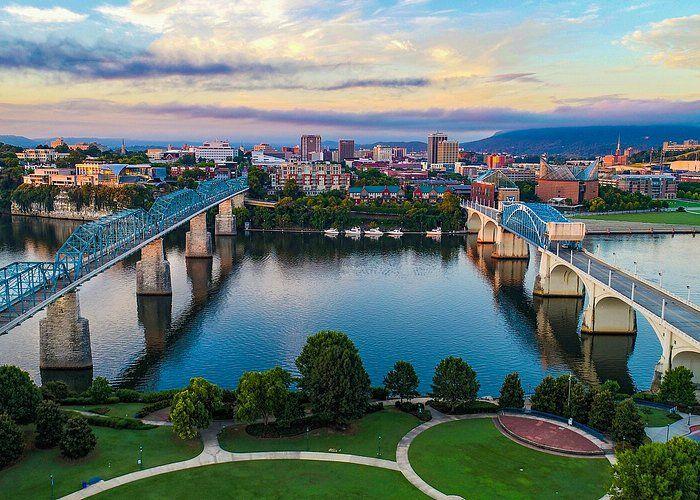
(49, 424)
(78, 439)
(627, 425)
(150, 408)
(128, 395)
(153, 397)
(11, 441)
(295, 428)
(100, 390)
(374, 407)
(471, 408)
(454, 382)
(118, 423)
(19, 396)
(402, 381)
(677, 387)
(658, 470)
(512, 394)
(602, 410)
(416, 409)
(291, 411)
(55, 390)
(333, 376)
(379, 393)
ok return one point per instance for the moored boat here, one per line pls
(355, 231)
(374, 232)
(395, 233)
(434, 232)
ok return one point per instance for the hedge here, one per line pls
(465, 408)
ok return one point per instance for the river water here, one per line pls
(253, 305)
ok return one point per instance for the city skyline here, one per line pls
(366, 70)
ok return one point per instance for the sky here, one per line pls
(270, 70)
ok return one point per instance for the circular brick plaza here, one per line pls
(548, 435)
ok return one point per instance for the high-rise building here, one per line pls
(310, 144)
(216, 151)
(433, 140)
(346, 149)
(447, 151)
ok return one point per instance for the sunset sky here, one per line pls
(270, 70)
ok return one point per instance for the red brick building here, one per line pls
(568, 182)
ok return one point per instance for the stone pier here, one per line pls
(64, 337)
(225, 221)
(198, 239)
(510, 246)
(153, 271)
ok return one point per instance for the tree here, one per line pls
(258, 180)
(454, 382)
(512, 394)
(677, 387)
(49, 424)
(207, 393)
(602, 410)
(99, 391)
(55, 390)
(578, 400)
(291, 188)
(627, 425)
(78, 439)
(262, 394)
(658, 470)
(291, 411)
(402, 381)
(11, 442)
(18, 394)
(188, 414)
(333, 376)
(547, 396)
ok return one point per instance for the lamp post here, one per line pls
(307, 438)
(688, 287)
(140, 459)
(379, 445)
(635, 268)
(661, 277)
(52, 487)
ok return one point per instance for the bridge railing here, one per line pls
(23, 285)
(491, 212)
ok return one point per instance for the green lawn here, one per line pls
(473, 459)
(115, 410)
(679, 218)
(360, 439)
(655, 417)
(116, 454)
(693, 206)
(272, 479)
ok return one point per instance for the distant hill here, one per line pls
(582, 141)
(18, 140)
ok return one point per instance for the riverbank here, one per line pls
(610, 226)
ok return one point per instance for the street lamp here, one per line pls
(52, 487)
(688, 287)
(139, 462)
(635, 268)
(379, 445)
(661, 277)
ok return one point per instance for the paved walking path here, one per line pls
(677, 428)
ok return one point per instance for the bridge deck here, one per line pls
(678, 313)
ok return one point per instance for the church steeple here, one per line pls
(617, 151)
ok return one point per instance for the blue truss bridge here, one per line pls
(27, 287)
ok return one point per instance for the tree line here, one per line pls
(612, 199)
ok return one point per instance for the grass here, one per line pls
(689, 205)
(656, 417)
(115, 410)
(473, 459)
(678, 218)
(271, 479)
(116, 454)
(360, 439)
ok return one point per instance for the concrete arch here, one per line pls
(690, 359)
(609, 314)
(474, 222)
(488, 232)
(559, 281)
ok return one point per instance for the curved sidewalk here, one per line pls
(214, 454)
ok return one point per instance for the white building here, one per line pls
(216, 151)
(259, 159)
(40, 155)
(381, 153)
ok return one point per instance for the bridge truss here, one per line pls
(531, 221)
(26, 286)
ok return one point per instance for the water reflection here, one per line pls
(76, 380)
(155, 317)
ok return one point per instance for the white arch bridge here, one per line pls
(614, 296)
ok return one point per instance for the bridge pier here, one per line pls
(64, 337)
(238, 200)
(510, 246)
(225, 221)
(608, 314)
(487, 232)
(198, 239)
(153, 271)
(557, 280)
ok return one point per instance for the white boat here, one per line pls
(434, 232)
(373, 232)
(331, 232)
(355, 231)
(395, 233)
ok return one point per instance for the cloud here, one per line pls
(603, 110)
(672, 42)
(375, 82)
(516, 77)
(149, 19)
(36, 15)
(68, 56)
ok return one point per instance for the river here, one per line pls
(253, 305)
